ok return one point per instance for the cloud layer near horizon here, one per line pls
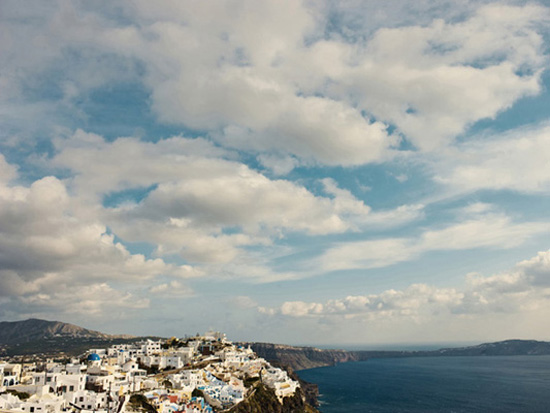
(526, 286)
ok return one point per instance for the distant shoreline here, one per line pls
(301, 358)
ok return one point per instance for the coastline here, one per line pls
(302, 358)
(435, 384)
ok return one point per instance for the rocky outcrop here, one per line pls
(263, 399)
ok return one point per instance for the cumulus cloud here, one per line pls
(200, 202)
(391, 303)
(525, 287)
(440, 78)
(298, 90)
(430, 81)
(42, 231)
(52, 249)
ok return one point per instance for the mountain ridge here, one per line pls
(32, 329)
(44, 337)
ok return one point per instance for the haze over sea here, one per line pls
(435, 384)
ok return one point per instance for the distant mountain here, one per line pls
(17, 332)
(501, 348)
(35, 336)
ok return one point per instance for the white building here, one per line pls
(89, 400)
(279, 381)
(150, 347)
(60, 383)
(11, 374)
(42, 403)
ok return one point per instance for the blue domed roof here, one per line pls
(94, 357)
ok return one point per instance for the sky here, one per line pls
(302, 172)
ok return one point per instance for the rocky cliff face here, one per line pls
(264, 400)
(301, 358)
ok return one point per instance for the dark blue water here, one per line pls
(509, 384)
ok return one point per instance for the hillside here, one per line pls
(17, 332)
(34, 336)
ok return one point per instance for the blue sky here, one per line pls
(328, 173)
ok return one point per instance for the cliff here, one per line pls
(501, 348)
(263, 399)
(301, 358)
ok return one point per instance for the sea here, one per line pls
(507, 384)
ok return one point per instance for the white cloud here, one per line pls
(102, 167)
(486, 230)
(57, 256)
(517, 160)
(296, 89)
(317, 129)
(430, 81)
(434, 81)
(7, 171)
(278, 165)
(401, 178)
(173, 288)
(242, 197)
(300, 309)
(524, 288)
(43, 231)
(395, 217)
(195, 196)
(95, 300)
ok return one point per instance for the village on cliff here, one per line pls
(194, 375)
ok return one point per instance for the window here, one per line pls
(71, 388)
(32, 410)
